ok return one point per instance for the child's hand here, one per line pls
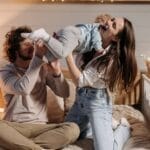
(37, 34)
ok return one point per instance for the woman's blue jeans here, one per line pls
(92, 111)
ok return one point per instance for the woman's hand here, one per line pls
(70, 58)
(54, 68)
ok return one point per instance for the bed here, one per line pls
(140, 134)
(124, 106)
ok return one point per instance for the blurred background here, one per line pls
(53, 16)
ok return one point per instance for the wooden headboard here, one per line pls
(133, 96)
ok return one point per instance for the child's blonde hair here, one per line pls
(102, 18)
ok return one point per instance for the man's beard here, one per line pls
(25, 58)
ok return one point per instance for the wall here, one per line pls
(54, 16)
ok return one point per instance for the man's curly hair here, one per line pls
(12, 42)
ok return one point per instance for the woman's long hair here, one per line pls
(127, 59)
(86, 57)
(120, 63)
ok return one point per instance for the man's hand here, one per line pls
(40, 48)
(37, 34)
(54, 68)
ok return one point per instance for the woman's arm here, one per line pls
(75, 72)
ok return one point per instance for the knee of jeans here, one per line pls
(72, 132)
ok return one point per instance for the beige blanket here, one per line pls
(140, 134)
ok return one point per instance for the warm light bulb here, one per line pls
(142, 55)
(148, 59)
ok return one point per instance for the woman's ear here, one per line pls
(115, 39)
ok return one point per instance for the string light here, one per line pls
(101, 1)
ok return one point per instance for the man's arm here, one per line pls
(13, 83)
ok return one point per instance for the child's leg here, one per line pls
(67, 40)
(58, 47)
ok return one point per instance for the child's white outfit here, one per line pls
(81, 38)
